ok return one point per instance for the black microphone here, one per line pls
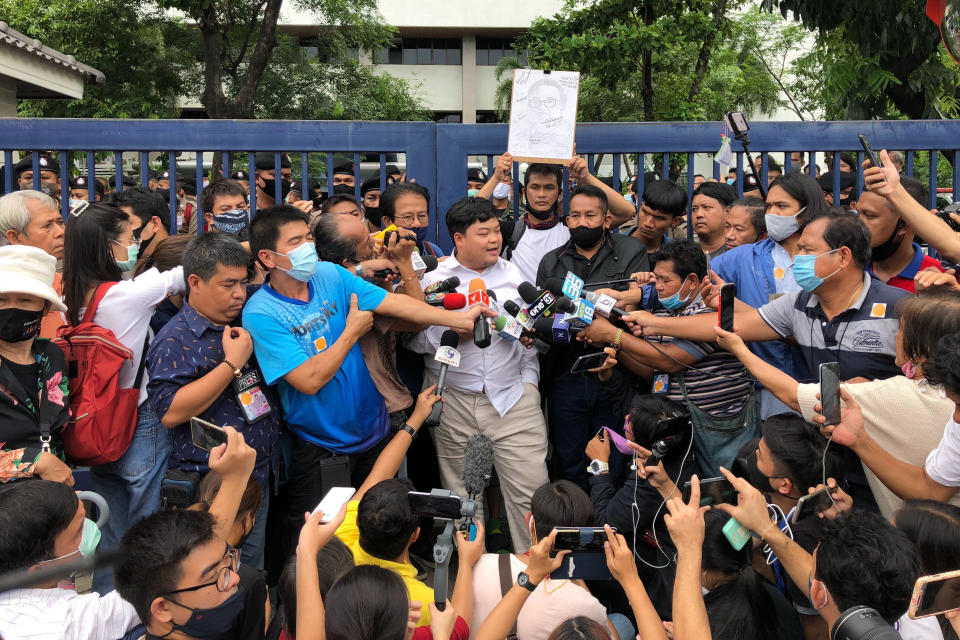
(432, 263)
(528, 292)
(477, 464)
(447, 355)
(481, 326)
(449, 284)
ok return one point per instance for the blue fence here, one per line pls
(437, 155)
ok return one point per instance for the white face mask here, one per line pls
(501, 191)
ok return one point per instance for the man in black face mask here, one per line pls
(49, 174)
(594, 254)
(150, 214)
(266, 180)
(894, 257)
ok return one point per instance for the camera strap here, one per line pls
(506, 583)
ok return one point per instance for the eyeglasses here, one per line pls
(232, 557)
(411, 218)
(549, 103)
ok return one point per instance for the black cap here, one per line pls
(80, 182)
(264, 161)
(240, 175)
(343, 166)
(475, 174)
(392, 169)
(847, 180)
(46, 161)
(370, 184)
(127, 181)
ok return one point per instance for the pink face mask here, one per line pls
(909, 369)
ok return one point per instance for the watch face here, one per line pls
(523, 580)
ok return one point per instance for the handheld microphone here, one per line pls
(658, 451)
(477, 464)
(419, 266)
(508, 328)
(481, 328)
(453, 301)
(582, 314)
(539, 303)
(449, 284)
(560, 329)
(430, 261)
(448, 356)
(435, 299)
(514, 309)
(605, 305)
(493, 300)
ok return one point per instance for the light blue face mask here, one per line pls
(472, 193)
(805, 273)
(303, 261)
(779, 228)
(672, 303)
(89, 540)
(133, 250)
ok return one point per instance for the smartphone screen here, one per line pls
(571, 538)
(206, 435)
(333, 502)
(587, 362)
(938, 596)
(713, 491)
(871, 156)
(812, 504)
(728, 295)
(830, 392)
(431, 506)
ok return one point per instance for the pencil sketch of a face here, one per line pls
(547, 100)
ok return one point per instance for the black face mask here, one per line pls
(17, 325)
(543, 215)
(889, 247)
(317, 201)
(270, 188)
(373, 215)
(144, 242)
(586, 238)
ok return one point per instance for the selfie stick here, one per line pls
(744, 139)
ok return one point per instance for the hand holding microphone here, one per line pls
(448, 356)
(481, 326)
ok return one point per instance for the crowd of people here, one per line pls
(214, 373)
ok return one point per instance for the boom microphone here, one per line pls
(448, 356)
(477, 464)
(449, 284)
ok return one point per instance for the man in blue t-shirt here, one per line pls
(305, 323)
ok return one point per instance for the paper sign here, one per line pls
(543, 115)
(572, 285)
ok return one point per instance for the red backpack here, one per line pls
(103, 416)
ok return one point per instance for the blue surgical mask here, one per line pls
(232, 221)
(804, 271)
(89, 540)
(472, 193)
(731, 180)
(212, 624)
(421, 233)
(672, 303)
(303, 261)
(133, 250)
(779, 228)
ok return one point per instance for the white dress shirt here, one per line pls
(498, 371)
(55, 614)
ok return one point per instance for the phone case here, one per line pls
(736, 534)
(920, 587)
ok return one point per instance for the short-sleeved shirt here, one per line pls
(347, 415)
(943, 463)
(904, 279)
(717, 383)
(187, 348)
(861, 339)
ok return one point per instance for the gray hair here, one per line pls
(14, 213)
(206, 251)
(331, 246)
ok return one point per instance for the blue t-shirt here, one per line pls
(346, 415)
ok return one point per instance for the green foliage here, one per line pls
(142, 52)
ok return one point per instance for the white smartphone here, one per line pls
(333, 501)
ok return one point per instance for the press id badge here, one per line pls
(661, 383)
(250, 396)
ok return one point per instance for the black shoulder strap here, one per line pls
(143, 362)
(506, 583)
(511, 231)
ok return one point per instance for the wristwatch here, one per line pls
(406, 427)
(358, 270)
(524, 581)
(596, 467)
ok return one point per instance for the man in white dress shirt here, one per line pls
(494, 391)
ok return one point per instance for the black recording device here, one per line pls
(830, 392)
(944, 214)
(669, 435)
(580, 538)
(442, 504)
(862, 623)
(739, 126)
(728, 296)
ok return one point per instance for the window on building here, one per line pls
(455, 117)
(315, 48)
(491, 50)
(421, 51)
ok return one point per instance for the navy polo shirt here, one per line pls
(861, 339)
(187, 348)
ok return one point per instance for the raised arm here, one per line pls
(620, 208)
(314, 536)
(776, 381)
(234, 461)
(685, 523)
(624, 569)
(749, 325)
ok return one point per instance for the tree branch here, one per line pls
(212, 97)
(795, 108)
(241, 106)
(706, 48)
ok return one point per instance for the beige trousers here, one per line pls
(519, 445)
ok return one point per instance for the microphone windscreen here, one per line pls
(544, 326)
(477, 285)
(477, 464)
(491, 294)
(450, 338)
(431, 263)
(499, 323)
(511, 307)
(566, 305)
(453, 301)
(554, 285)
(527, 292)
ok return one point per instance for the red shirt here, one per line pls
(904, 279)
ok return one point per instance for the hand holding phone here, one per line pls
(589, 361)
(868, 151)
(728, 296)
(206, 435)
(830, 393)
(935, 594)
(332, 502)
(713, 491)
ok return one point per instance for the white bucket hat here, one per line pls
(29, 270)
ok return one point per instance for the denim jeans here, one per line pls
(623, 626)
(251, 553)
(131, 485)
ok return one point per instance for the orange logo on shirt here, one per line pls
(778, 273)
(320, 344)
(879, 310)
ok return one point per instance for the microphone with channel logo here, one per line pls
(481, 326)
(448, 356)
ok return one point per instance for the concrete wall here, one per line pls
(440, 85)
(492, 14)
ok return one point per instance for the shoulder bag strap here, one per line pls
(506, 583)
(95, 301)
(143, 362)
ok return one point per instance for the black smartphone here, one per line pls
(812, 504)
(587, 362)
(868, 150)
(830, 392)
(432, 506)
(580, 538)
(737, 123)
(206, 435)
(935, 594)
(728, 296)
(713, 491)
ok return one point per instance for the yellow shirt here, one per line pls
(349, 534)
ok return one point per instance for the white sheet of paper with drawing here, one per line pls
(543, 115)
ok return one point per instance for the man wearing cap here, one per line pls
(243, 178)
(152, 182)
(847, 182)
(49, 174)
(475, 180)
(31, 218)
(266, 182)
(187, 206)
(163, 180)
(80, 190)
(343, 174)
(30, 424)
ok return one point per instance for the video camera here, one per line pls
(445, 505)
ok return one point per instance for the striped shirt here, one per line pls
(717, 383)
(862, 339)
